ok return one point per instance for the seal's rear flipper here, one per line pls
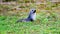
(20, 20)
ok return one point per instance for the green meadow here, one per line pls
(47, 19)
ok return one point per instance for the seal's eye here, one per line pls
(32, 10)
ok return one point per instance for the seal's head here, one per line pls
(32, 11)
(32, 14)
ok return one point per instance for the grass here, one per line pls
(43, 25)
(46, 22)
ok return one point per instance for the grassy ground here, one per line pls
(47, 22)
(43, 25)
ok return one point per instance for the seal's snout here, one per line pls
(34, 11)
